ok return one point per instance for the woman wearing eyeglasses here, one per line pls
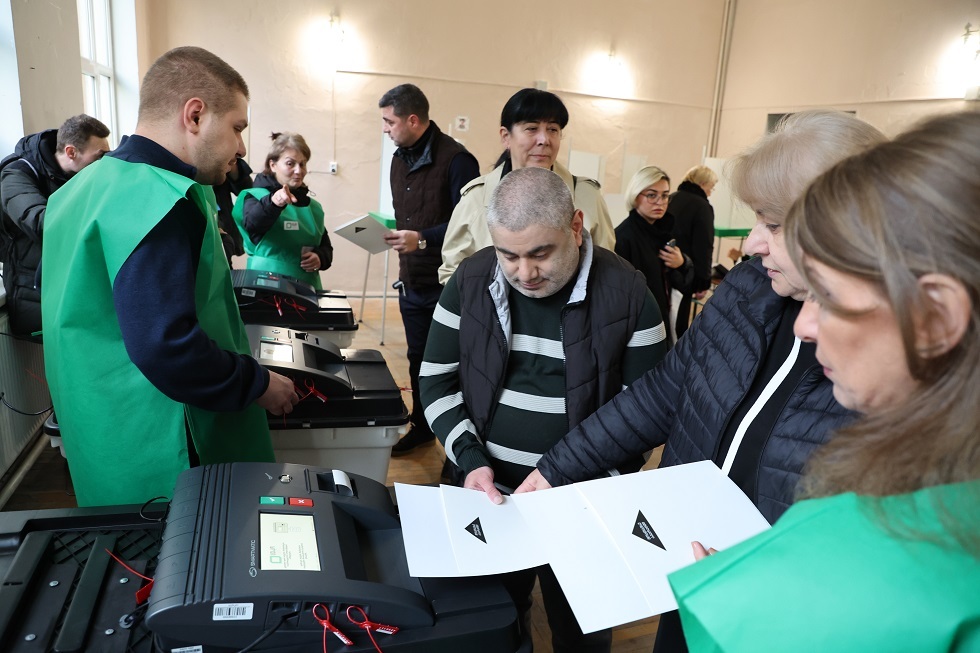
(646, 237)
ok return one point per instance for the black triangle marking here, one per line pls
(643, 530)
(476, 530)
(358, 230)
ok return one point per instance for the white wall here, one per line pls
(891, 61)
(468, 58)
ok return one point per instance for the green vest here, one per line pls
(280, 249)
(830, 576)
(125, 440)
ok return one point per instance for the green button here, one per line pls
(272, 501)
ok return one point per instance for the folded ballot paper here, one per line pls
(611, 542)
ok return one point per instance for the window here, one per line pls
(95, 40)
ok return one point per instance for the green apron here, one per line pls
(828, 576)
(126, 441)
(280, 249)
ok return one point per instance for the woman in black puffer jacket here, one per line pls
(738, 388)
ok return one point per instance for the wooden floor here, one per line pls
(46, 484)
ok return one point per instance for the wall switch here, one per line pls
(333, 167)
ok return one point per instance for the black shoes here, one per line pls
(412, 440)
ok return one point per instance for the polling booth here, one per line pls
(246, 556)
(350, 412)
(273, 299)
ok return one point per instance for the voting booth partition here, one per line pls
(256, 556)
(351, 411)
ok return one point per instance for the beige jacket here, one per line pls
(468, 233)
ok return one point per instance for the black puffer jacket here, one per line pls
(694, 227)
(688, 399)
(31, 176)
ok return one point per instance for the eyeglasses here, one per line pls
(657, 198)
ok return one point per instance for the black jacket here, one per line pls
(694, 228)
(30, 176)
(231, 237)
(640, 242)
(688, 399)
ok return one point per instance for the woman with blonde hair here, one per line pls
(695, 231)
(738, 388)
(281, 224)
(887, 547)
(646, 238)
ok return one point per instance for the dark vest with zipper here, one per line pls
(594, 335)
(420, 196)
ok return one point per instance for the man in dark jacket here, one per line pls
(40, 165)
(531, 336)
(428, 171)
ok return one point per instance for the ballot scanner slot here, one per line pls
(321, 355)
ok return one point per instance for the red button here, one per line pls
(301, 501)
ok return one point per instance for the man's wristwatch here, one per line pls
(421, 241)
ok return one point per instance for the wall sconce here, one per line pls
(606, 75)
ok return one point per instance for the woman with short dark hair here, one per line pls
(531, 125)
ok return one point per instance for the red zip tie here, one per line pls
(369, 625)
(327, 625)
(311, 386)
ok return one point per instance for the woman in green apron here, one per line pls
(282, 226)
(884, 555)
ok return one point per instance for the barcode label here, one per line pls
(188, 649)
(248, 292)
(232, 612)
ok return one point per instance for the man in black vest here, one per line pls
(40, 165)
(428, 171)
(532, 336)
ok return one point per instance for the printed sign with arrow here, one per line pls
(643, 530)
(476, 530)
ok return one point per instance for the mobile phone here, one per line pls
(671, 243)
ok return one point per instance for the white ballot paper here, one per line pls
(611, 542)
(365, 232)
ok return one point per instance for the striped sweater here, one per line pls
(530, 413)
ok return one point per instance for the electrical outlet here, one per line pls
(333, 167)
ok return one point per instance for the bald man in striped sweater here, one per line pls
(529, 338)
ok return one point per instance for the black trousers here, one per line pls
(417, 307)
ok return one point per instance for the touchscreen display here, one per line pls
(288, 542)
(276, 351)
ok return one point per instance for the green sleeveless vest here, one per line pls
(281, 247)
(125, 440)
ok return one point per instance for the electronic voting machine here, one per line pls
(280, 300)
(250, 550)
(338, 387)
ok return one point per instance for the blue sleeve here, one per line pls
(462, 170)
(154, 298)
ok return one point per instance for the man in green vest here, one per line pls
(145, 351)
